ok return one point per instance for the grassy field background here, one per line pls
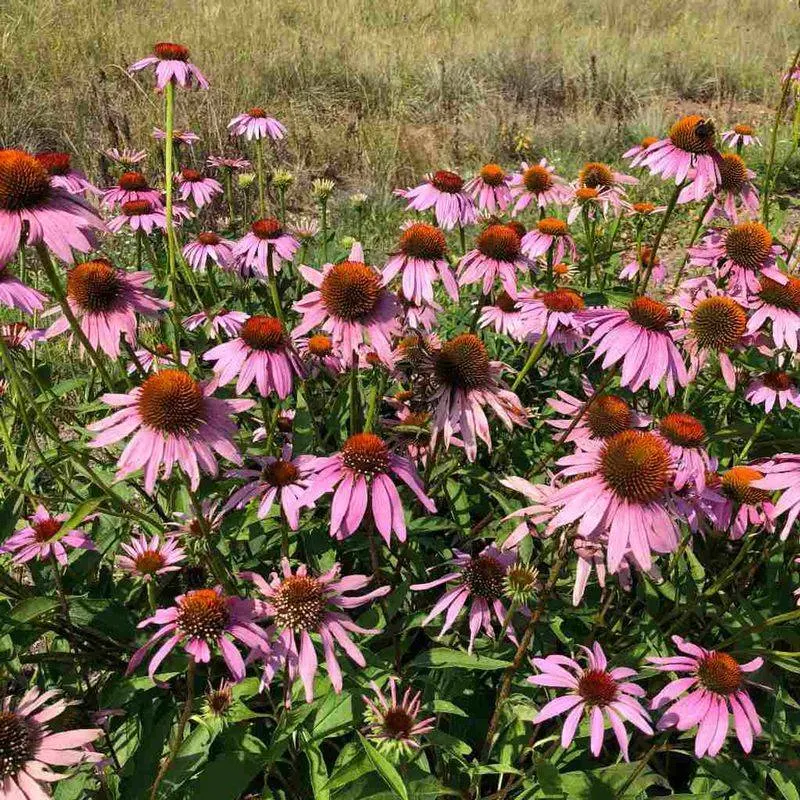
(376, 93)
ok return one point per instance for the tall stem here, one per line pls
(355, 421)
(536, 352)
(273, 284)
(260, 176)
(169, 113)
(657, 242)
(698, 225)
(323, 208)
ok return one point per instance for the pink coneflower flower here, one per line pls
(740, 135)
(623, 493)
(701, 509)
(361, 475)
(556, 315)
(779, 304)
(641, 264)
(30, 202)
(140, 215)
(735, 188)
(643, 209)
(216, 323)
(200, 620)
(251, 253)
(394, 724)
(261, 353)
(18, 336)
(550, 234)
(444, 192)
(480, 578)
(127, 157)
(178, 136)
(199, 187)
(609, 185)
(351, 305)
(255, 124)
(130, 187)
(228, 162)
(504, 315)
(746, 505)
(415, 436)
(15, 294)
(158, 357)
(636, 153)
(43, 537)
(63, 175)
(171, 63)
(640, 337)
(743, 254)
(301, 604)
(105, 301)
(29, 751)
(421, 257)
(538, 183)
(689, 145)
(490, 188)
(592, 556)
(607, 415)
(146, 559)
(497, 254)
(686, 438)
(716, 686)
(596, 692)
(191, 525)
(283, 427)
(464, 380)
(424, 317)
(714, 324)
(783, 472)
(771, 388)
(207, 247)
(284, 479)
(535, 514)
(316, 353)
(173, 418)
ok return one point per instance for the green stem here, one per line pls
(323, 208)
(169, 113)
(260, 176)
(535, 354)
(374, 401)
(273, 284)
(695, 232)
(355, 398)
(657, 242)
(756, 433)
(229, 197)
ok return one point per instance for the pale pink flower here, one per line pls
(444, 192)
(105, 301)
(778, 304)
(771, 388)
(393, 722)
(490, 188)
(782, 472)
(538, 183)
(127, 157)
(262, 353)
(735, 188)
(63, 175)
(639, 336)
(550, 235)
(555, 315)
(265, 244)
(256, 124)
(716, 688)
(43, 537)
(301, 604)
(497, 254)
(142, 215)
(539, 512)
(480, 579)
(504, 315)
(216, 323)
(640, 265)
(746, 506)
(739, 136)
(600, 184)
(18, 336)
(228, 162)
(690, 145)
(171, 63)
(30, 750)
(199, 187)
(31, 202)
(160, 356)
(191, 524)
(421, 259)
(15, 294)
(178, 136)
(208, 247)
(283, 479)
(686, 439)
(199, 620)
(173, 419)
(624, 492)
(422, 317)
(360, 475)
(702, 510)
(316, 353)
(636, 153)
(595, 692)
(130, 187)
(352, 305)
(146, 559)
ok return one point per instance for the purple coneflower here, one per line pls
(173, 418)
(43, 538)
(127, 157)
(360, 477)
(30, 201)
(490, 188)
(716, 687)
(206, 248)
(157, 358)
(29, 751)
(18, 336)
(256, 124)
(538, 183)
(636, 153)
(316, 353)
(609, 185)
(141, 215)
(199, 620)
(556, 315)
(421, 258)
(480, 579)
(178, 136)
(550, 234)
(497, 254)
(63, 175)
(735, 188)
(262, 353)
(746, 506)
(686, 438)
(594, 691)
(504, 315)
(105, 301)
(228, 162)
(216, 323)
(301, 604)
(639, 265)
(251, 254)
(740, 135)
(202, 189)
(778, 303)
(146, 559)
(783, 472)
(444, 192)
(394, 724)
(171, 63)
(771, 388)
(131, 186)
(15, 294)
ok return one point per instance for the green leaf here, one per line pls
(79, 515)
(444, 658)
(333, 716)
(385, 769)
(228, 775)
(32, 607)
(139, 772)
